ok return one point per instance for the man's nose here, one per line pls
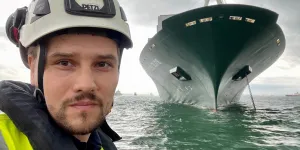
(85, 81)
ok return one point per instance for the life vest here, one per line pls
(10, 137)
(27, 120)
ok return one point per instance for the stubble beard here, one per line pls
(87, 124)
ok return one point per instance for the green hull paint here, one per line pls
(212, 53)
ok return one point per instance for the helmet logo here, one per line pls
(91, 4)
(90, 7)
(95, 8)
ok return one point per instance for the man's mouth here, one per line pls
(83, 105)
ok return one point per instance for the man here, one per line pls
(73, 49)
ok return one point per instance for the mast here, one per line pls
(218, 2)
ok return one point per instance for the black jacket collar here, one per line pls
(93, 143)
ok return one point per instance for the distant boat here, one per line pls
(135, 94)
(118, 93)
(295, 94)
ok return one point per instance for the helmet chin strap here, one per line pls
(41, 65)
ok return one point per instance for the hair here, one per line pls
(33, 51)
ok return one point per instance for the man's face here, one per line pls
(81, 74)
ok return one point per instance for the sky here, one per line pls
(283, 77)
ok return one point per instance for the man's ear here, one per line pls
(32, 64)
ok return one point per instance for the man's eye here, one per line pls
(64, 63)
(103, 64)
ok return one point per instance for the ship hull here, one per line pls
(211, 45)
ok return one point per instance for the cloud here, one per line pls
(146, 12)
(289, 20)
(275, 86)
(282, 81)
(6, 72)
(11, 66)
(2, 32)
(13, 73)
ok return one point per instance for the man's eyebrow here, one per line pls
(107, 57)
(61, 54)
(69, 55)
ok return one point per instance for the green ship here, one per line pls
(207, 56)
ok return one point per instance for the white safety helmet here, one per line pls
(44, 17)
